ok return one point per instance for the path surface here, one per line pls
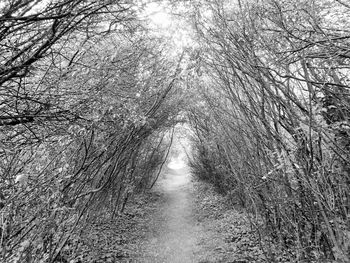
(181, 220)
(174, 233)
(189, 223)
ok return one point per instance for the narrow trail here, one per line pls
(174, 233)
(188, 222)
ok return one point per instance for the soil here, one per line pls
(189, 223)
(173, 232)
(179, 220)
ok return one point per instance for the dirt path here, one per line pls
(173, 232)
(189, 223)
(181, 221)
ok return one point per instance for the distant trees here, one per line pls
(273, 131)
(86, 100)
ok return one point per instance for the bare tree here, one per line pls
(276, 71)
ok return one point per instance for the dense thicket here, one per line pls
(88, 97)
(84, 112)
(272, 127)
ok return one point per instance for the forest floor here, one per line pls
(192, 223)
(180, 220)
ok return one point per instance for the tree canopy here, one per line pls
(90, 94)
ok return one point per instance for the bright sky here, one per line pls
(164, 23)
(158, 15)
(161, 21)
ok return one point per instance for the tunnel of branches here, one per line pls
(90, 100)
